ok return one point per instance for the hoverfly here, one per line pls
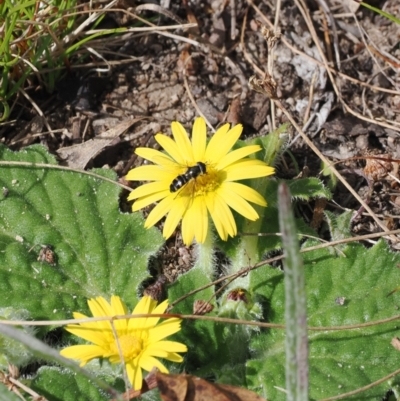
(190, 174)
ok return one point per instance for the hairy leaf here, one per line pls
(340, 291)
(63, 238)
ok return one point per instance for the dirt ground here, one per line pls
(350, 112)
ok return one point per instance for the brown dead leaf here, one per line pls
(377, 168)
(78, 156)
(186, 63)
(191, 17)
(318, 213)
(233, 116)
(192, 388)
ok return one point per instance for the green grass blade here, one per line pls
(381, 12)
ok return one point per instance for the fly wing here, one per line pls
(167, 164)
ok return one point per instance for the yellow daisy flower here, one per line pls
(194, 179)
(140, 339)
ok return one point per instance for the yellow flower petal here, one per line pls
(167, 346)
(149, 173)
(175, 216)
(99, 307)
(222, 217)
(149, 189)
(119, 308)
(245, 192)
(96, 335)
(237, 203)
(246, 169)
(92, 325)
(148, 363)
(171, 148)
(134, 373)
(167, 350)
(161, 307)
(227, 219)
(156, 352)
(147, 200)
(195, 222)
(154, 156)
(83, 353)
(219, 225)
(199, 139)
(222, 141)
(144, 306)
(236, 155)
(173, 357)
(78, 315)
(159, 211)
(183, 143)
(165, 329)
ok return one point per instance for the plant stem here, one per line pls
(295, 303)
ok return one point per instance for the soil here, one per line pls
(352, 115)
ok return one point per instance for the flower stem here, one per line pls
(296, 343)
(205, 255)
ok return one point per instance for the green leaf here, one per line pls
(98, 250)
(340, 361)
(308, 188)
(330, 177)
(43, 351)
(201, 360)
(272, 145)
(201, 275)
(339, 226)
(11, 350)
(185, 284)
(7, 395)
(62, 384)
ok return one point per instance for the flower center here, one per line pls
(204, 183)
(130, 345)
